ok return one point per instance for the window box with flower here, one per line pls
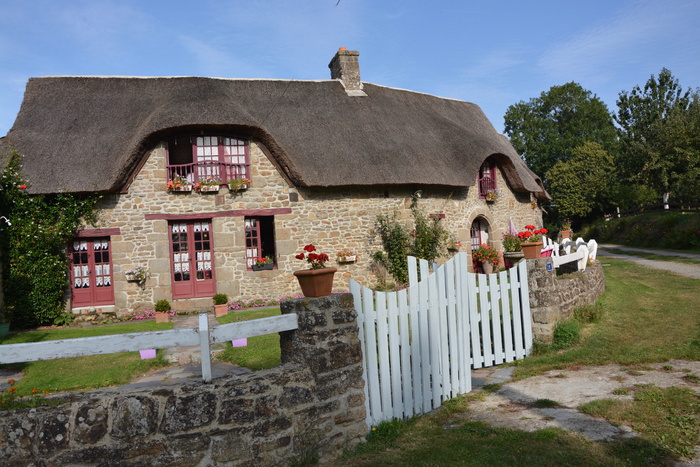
(238, 184)
(263, 264)
(318, 280)
(179, 184)
(139, 274)
(453, 245)
(491, 196)
(209, 184)
(346, 256)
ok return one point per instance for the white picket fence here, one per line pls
(582, 251)
(420, 344)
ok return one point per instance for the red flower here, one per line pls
(316, 260)
(23, 187)
(309, 248)
(530, 227)
(300, 256)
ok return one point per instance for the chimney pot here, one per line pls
(346, 67)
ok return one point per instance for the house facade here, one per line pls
(202, 176)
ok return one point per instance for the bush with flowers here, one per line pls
(316, 260)
(207, 183)
(178, 184)
(260, 262)
(531, 234)
(486, 254)
(511, 242)
(11, 399)
(237, 184)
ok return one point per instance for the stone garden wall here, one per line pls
(555, 297)
(312, 403)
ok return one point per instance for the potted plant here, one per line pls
(209, 184)
(162, 309)
(238, 184)
(512, 252)
(139, 274)
(263, 264)
(566, 231)
(531, 241)
(179, 184)
(318, 280)
(346, 256)
(491, 196)
(220, 304)
(453, 245)
(487, 256)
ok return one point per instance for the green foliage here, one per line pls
(581, 185)
(34, 247)
(162, 306)
(588, 314)
(220, 299)
(511, 242)
(425, 240)
(658, 131)
(566, 334)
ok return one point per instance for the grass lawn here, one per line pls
(675, 259)
(262, 351)
(648, 316)
(82, 373)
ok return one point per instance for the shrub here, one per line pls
(162, 306)
(566, 334)
(220, 299)
(588, 313)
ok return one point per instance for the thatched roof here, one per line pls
(82, 134)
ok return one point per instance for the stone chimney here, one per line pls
(346, 67)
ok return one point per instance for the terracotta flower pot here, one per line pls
(487, 267)
(316, 282)
(531, 250)
(221, 310)
(162, 317)
(565, 234)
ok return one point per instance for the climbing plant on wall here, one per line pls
(33, 240)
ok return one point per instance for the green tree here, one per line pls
(548, 128)
(582, 185)
(659, 146)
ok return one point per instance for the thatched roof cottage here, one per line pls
(323, 157)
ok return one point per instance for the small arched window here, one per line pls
(487, 178)
(197, 158)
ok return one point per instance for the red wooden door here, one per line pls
(191, 255)
(91, 272)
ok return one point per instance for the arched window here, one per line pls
(487, 178)
(479, 232)
(195, 158)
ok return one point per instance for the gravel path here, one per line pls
(683, 269)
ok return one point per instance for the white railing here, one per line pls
(99, 345)
(582, 251)
(420, 344)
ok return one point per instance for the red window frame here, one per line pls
(192, 259)
(259, 239)
(487, 178)
(91, 272)
(212, 156)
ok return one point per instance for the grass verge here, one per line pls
(674, 259)
(82, 373)
(262, 352)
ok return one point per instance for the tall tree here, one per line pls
(548, 128)
(659, 146)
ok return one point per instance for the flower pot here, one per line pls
(240, 342)
(531, 250)
(487, 267)
(565, 234)
(347, 259)
(4, 329)
(316, 282)
(221, 310)
(208, 189)
(162, 317)
(146, 354)
(182, 188)
(510, 258)
(130, 277)
(264, 267)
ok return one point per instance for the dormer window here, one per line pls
(198, 158)
(487, 178)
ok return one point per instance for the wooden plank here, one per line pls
(434, 323)
(407, 376)
(484, 308)
(414, 324)
(474, 322)
(444, 356)
(375, 397)
(465, 364)
(505, 312)
(205, 349)
(424, 313)
(383, 351)
(496, 329)
(97, 345)
(356, 292)
(517, 313)
(256, 327)
(394, 354)
(452, 327)
(525, 304)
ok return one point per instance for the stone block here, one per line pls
(189, 412)
(134, 417)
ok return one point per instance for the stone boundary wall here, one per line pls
(312, 402)
(555, 297)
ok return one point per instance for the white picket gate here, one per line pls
(420, 344)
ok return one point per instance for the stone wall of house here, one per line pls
(313, 402)
(331, 219)
(554, 297)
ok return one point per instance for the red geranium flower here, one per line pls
(23, 187)
(316, 260)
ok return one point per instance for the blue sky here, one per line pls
(492, 53)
